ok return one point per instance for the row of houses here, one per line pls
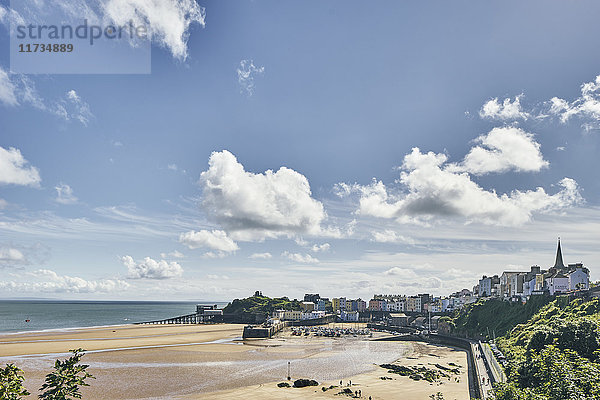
(559, 278)
(287, 315)
(420, 303)
(517, 285)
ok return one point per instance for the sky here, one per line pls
(304, 147)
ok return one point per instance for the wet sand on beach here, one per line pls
(209, 361)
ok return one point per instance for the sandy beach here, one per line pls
(212, 362)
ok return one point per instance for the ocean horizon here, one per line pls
(29, 315)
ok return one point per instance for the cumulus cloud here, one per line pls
(48, 281)
(64, 194)
(246, 73)
(15, 169)
(151, 269)
(430, 188)
(501, 150)
(216, 240)
(507, 110)
(253, 206)
(321, 248)
(168, 21)
(11, 256)
(585, 106)
(261, 256)
(300, 258)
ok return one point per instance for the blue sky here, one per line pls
(154, 186)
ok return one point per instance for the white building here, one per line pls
(349, 316)
(579, 278)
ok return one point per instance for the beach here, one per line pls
(212, 362)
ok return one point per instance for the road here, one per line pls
(481, 372)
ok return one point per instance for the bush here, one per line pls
(11, 383)
(298, 383)
(67, 378)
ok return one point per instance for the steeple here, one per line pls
(558, 263)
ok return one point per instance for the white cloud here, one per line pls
(15, 169)
(435, 191)
(214, 254)
(18, 89)
(77, 108)
(8, 16)
(217, 277)
(168, 21)
(587, 105)
(403, 272)
(172, 167)
(8, 94)
(246, 73)
(300, 258)
(3, 204)
(561, 148)
(390, 236)
(253, 206)
(261, 256)
(49, 281)
(174, 254)
(507, 110)
(151, 269)
(321, 248)
(64, 194)
(503, 149)
(216, 239)
(11, 256)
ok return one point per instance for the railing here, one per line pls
(492, 363)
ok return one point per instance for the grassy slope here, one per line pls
(494, 315)
(553, 349)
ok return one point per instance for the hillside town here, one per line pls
(558, 279)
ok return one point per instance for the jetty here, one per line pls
(202, 315)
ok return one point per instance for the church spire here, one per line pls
(558, 263)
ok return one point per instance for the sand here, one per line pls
(211, 362)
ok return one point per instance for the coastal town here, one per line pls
(400, 310)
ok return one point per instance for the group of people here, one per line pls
(357, 393)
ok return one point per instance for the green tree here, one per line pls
(67, 378)
(11, 383)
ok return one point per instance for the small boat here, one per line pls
(27, 320)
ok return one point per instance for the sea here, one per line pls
(40, 315)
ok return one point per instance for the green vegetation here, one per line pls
(67, 378)
(555, 355)
(486, 317)
(11, 383)
(300, 383)
(61, 384)
(552, 345)
(420, 373)
(261, 304)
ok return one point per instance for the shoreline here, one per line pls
(58, 330)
